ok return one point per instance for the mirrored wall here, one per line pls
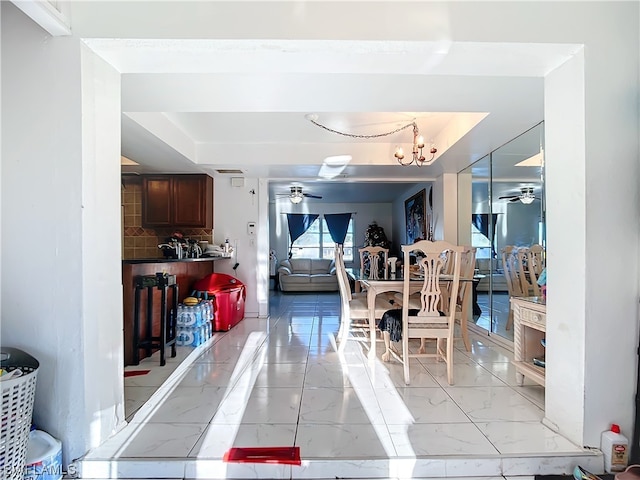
(501, 204)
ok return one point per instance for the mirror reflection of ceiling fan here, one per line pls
(297, 195)
(526, 196)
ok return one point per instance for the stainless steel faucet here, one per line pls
(176, 246)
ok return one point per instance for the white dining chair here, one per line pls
(464, 302)
(354, 310)
(374, 260)
(534, 266)
(435, 317)
(511, 269)
(464, 309)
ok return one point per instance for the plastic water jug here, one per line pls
(615, 448)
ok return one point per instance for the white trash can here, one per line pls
(44, 457)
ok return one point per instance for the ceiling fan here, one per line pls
(526, 196)
(297, 195)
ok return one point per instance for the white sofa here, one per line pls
(492, 271)
(307, 275)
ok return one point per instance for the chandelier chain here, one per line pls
(416, 151)
(355, 135)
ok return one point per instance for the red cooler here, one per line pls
(228, 295)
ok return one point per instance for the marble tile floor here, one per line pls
(497, 322)
(280, 382)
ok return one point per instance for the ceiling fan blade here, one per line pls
(516, 197)
(308, 195)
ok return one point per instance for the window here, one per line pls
(316, 242)
(482, 243)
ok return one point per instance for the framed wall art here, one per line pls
(415, 217)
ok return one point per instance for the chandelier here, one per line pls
(418, 145)
(417, 156)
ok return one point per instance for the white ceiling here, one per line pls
(238, 96)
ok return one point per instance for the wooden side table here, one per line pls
(530, 324)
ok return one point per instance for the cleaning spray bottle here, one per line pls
(615, 448)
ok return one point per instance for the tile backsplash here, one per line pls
(139, 242)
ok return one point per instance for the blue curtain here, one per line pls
(338, 223)
(481, 222)
(298, 224)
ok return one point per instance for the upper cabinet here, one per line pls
(177, 201)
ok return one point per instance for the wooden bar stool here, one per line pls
(167, 335)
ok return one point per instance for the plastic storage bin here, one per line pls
(18, 393)
(229, 308)
(228, 295)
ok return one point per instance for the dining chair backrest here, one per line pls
(467, 267)
(437, 259)
(374, 260)
(519, 281)
(464, 310)
(448, 266)
(338, 254)
(440, 264)
(356, 315)
(345, 298)
(530, 266)
(341, 274)
(537, 255)
(511, 270)
(536, 264)
(521, 254)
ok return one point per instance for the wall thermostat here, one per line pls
(251, 228)
(237, 181)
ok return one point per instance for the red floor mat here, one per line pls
(135, 373)
(284, 455)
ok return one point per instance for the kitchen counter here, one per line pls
(186, 270)
(135, 261)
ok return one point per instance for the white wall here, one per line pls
(364, 215)
(445, 210)
(465, 186)
(591, 114)
(565, 401)
(519, 224)
(612, 131)
(234, 208)
(61, 295)
(102, 314)
(592, 119)
(1, 179)
(592, 159)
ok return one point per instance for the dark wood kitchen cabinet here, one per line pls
(177, 201)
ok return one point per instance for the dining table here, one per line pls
(392, 283)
